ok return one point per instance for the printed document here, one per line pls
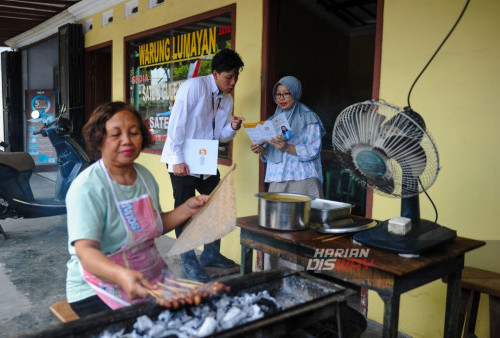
(263, 131)
(200, 156)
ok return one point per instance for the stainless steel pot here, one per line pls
(283, 211)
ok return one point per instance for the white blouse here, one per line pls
(197, 102)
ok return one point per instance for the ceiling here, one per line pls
(350, 16)
(355, 13)
(18, 16)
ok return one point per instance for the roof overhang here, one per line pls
(73, 14)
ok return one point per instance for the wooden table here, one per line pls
(384, 272)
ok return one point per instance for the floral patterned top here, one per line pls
(305, 165)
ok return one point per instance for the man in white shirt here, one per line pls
(202, 110)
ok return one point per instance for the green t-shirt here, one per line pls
(93, 214)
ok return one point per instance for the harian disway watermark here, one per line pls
(340, 259)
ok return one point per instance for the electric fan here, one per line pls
(389, 149)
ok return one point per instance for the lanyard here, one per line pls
(214, 115)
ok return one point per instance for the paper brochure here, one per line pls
(263, 131)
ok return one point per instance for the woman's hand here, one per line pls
(258, 149)
(179, 215)
(278, 143)
(134, 283)
(196, 202)
(94, 261)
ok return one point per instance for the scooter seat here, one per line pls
(18, 161)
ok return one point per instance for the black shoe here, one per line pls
(216, 260)
(191, 269)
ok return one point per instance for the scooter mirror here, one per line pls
(35, 114)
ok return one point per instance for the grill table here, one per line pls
(305, 300)
(384, 272)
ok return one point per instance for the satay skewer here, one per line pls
(189, 281)
(171, 287)
(173, 293)
(163, 301)
(186, 285)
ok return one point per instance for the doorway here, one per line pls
(98, 76)
(330, 46)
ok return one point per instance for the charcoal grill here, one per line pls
(314, 300)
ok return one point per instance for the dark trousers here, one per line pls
(184, 188)
(89, 306)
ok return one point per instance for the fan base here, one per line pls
(424, 236)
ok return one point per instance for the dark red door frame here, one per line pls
(90, 87)
(269, 68)
(376, 83)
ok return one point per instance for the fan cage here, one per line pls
(407, 150)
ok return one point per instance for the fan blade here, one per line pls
(407, 152)
(411, 157)
(409, 122)
(357, 124)
(385, 185)
(368, 124)
(346, 159)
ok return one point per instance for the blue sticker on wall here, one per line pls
(42, 158)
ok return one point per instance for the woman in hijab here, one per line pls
(294, 165)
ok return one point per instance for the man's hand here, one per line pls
(236, 122)
(181, 169)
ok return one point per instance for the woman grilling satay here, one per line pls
(114, 215)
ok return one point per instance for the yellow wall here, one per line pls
(457, 98)
(247, 93)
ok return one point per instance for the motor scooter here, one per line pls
(16, 169)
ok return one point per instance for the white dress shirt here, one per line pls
(197, 101)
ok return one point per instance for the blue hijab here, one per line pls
(298, 116)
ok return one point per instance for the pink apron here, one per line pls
(143, 223)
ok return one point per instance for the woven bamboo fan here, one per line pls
(214, 220)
